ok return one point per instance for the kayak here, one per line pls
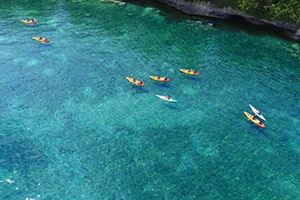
(166, 98)
(255, 121)
(45, 40)
(160, 79)
(135, 82)
(189, 71)
(24, 21)
(257, 112)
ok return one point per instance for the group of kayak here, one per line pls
(253, 118)
(162, 79)
(33, 21)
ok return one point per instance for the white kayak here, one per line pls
(256, 112)
(166, 98)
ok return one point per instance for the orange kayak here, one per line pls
(24, 21)
(189, 71)
(41, 39)
(135, 82)
(160, 79)
(255, 121)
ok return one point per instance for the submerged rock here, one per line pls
(293, 49)
(296, 46)
(87, 14)
(77, 1)
(120, 3)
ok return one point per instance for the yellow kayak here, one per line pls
(255, 121)
(41, 39)
(135, 82)
(160, 79)
(25, 21)
(189, 71)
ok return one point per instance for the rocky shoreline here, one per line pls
(208, 9)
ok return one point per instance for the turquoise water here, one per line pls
(72, 127)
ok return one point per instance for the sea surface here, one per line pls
(73, 128)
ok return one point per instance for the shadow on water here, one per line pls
(256, 129)
(171, 105)
(234, 24)
(237, 23)
(138, 90)
(163, 85)
(261, 131)
(193, 78)
(44, 46)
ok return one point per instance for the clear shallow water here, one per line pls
(72, 127)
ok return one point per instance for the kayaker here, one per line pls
(260, 123)
(253, 117)
(158, 77)
(168, 97)
(258, 112)
(141, 82)
(166, 78)
(133, 79)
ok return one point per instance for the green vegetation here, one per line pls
(274, 10)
